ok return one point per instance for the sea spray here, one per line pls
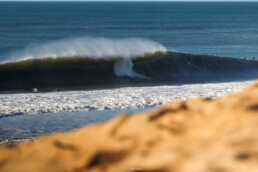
(94, 48)
(124, 67)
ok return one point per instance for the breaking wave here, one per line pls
(73, 73)
(94, 48)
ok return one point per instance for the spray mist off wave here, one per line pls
(95, 48)
(125, 49)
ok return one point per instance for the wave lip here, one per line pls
(93, 48)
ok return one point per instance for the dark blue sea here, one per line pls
(214, 28)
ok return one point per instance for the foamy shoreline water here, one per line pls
(110, 99)
(26, 116)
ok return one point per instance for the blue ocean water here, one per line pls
(23, 127)
(224, 29)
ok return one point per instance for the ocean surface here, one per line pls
(223, 29)
(66, 64)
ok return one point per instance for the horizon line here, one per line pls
(128, 1)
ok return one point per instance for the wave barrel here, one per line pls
(163, 69)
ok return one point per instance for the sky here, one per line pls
(149, 0)
(144, 0)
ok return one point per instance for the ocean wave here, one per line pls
(90, 47)
(76, 73)
(122, 50)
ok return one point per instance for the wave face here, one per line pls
(94, 48)
(160, 69)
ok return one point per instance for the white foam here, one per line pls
(121, 98)
(124, 67)
(95, 48)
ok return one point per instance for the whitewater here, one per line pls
(110, 99)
